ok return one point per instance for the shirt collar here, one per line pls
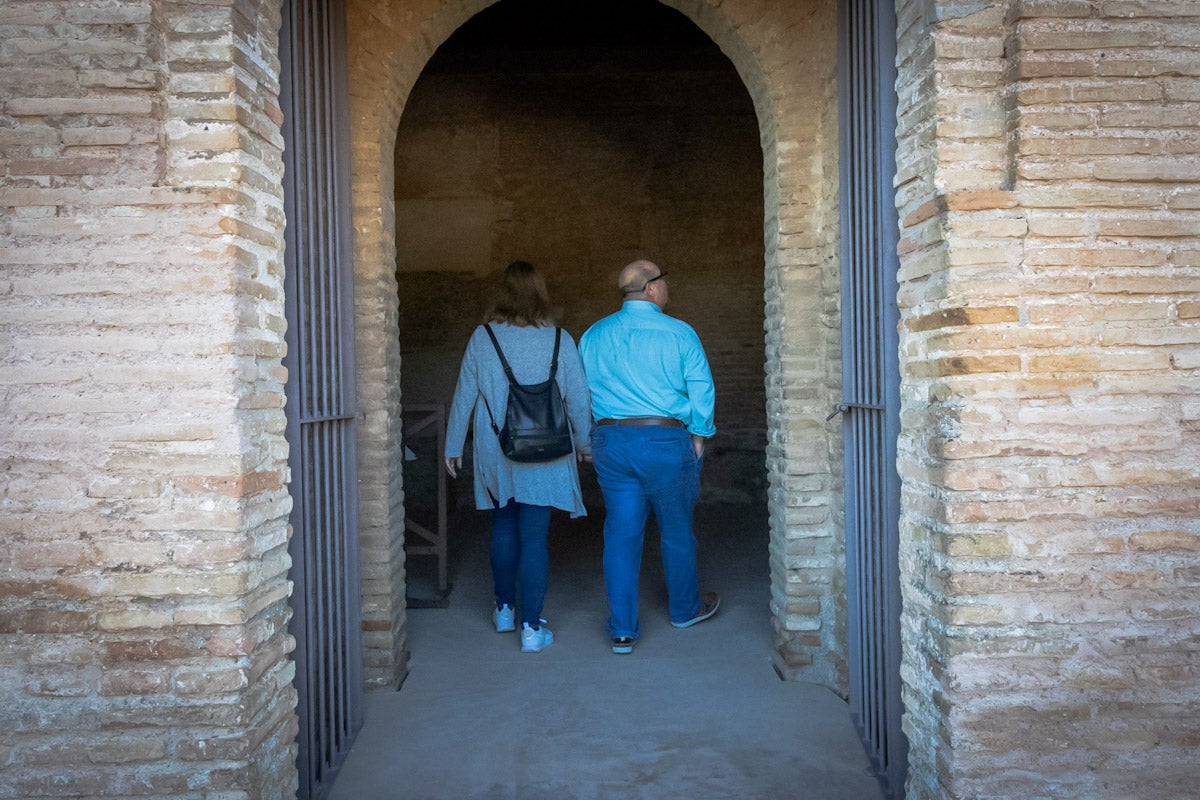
(641, 306)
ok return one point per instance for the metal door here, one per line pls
(320, 390)
(870, 395)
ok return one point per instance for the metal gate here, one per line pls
(320, 390)
(871, 395)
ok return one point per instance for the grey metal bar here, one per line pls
(320, 596)
(303, 210)
(345, 377)
(870, 399)
(321, 412)
(308, 198)
(847, 244)
(323, 223)
(885, 44)
(287, 90)
(327, 418)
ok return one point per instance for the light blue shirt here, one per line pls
(641, 362)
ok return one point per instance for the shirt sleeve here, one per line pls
(466, 394)
(701, 393)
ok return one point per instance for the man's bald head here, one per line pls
(633, 277)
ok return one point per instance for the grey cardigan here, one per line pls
(528, 350)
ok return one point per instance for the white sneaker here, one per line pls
(503, 617)
(535, 641)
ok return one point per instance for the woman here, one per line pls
(520, 495)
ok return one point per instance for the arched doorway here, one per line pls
(581, 138)
(791, 82)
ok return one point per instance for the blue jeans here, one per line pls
(519, 553)
(640, 468)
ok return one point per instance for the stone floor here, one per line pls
(696, 713)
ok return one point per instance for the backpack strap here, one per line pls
(491, 418)
(508, 373)
(554, 358)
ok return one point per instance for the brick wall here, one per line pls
(1050, 295)
(1049, 346)
(387, 47)
(785, 55)
(144, 603)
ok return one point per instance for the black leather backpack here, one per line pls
(535, 423)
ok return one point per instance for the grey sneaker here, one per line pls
(503, 617)
(709, 603)
(535, 641)
(622, 645)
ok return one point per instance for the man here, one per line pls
(652, 398)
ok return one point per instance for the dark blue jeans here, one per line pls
(640, 468)
(519, 553)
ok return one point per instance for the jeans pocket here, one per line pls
(598, 443)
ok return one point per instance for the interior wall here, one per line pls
(581, 144)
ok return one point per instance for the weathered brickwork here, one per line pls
(380, 79)
(786, 55)
(1049, 280)
(1050, 348)
(144, 511)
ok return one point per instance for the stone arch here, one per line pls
(786, 56)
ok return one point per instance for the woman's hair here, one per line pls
(523, 299)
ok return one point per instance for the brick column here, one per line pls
(787, 57)
(1049, 454)
(143, 617)
(389, 43)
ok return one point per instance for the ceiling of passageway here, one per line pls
(510, 33)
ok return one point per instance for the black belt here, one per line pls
(663, 422)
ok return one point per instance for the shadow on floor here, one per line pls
(696, 713)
